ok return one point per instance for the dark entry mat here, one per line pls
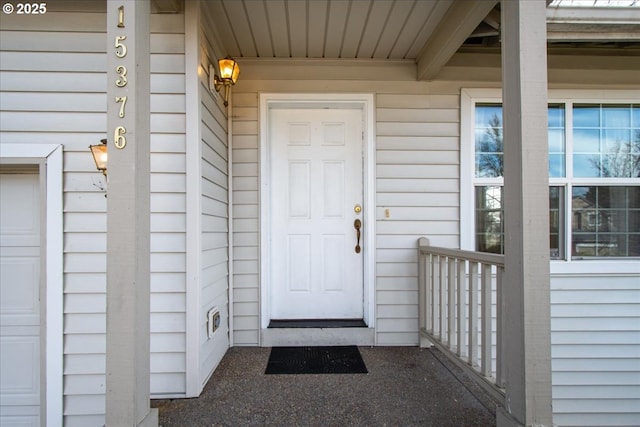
(317, 323)
(316, 360)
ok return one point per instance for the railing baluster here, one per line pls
(443, 295)
(473, 314)
(499, 328)
(485, 365)
(451, 301)
(434, 294)
(462, 301)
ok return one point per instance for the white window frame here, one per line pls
(468, 181)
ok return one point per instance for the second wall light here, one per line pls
(228, 76)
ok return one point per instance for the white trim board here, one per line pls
(49, 157)
(364, 102)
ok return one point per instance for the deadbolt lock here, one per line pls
(357, 208)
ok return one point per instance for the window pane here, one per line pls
(556, 138)
(556, 116)
(556, 165)
(616, 116)
(488, 131)
(585, 165)
(488, 134)
(586, 116)
(606, 221)
(586, 140)
(486, 114)
(607, 148)
(490, 226)
(556, 222)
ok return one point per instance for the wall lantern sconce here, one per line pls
(229, 72)
(99, 153)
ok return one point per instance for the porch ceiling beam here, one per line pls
(593, 32)
(589, 15)
(459, 22)
(593, 24)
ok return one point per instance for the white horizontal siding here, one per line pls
(168, 206)
(53, 84)
(245, 219)
(595, 346)
(214, 214)
(417, 144)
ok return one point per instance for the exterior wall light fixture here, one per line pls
(99, 153)
(229, 72)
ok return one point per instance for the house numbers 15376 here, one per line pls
(119, 139)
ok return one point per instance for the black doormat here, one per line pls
(316, 360)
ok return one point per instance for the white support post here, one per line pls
(526, 282)
(128, 278)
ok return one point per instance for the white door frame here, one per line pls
(49, 159)
(364, 102)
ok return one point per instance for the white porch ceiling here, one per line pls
(345, 29)
(425, 32)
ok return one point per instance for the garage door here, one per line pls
(20, 381)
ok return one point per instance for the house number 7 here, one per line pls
(123, 100)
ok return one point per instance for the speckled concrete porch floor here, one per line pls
(405, 386)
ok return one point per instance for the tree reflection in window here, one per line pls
(489, 148)
(606, 141)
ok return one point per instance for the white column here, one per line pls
(526, 343)
(127, 380)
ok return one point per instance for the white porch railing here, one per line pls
(458, 310)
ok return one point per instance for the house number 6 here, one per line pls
(119, 139)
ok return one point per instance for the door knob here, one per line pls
(357, 224)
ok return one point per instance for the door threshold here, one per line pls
(295, 337)
(317, 323)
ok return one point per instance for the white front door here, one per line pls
(316, 185)
(19, 300)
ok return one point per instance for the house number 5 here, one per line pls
(119, 45)
(119, 139)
